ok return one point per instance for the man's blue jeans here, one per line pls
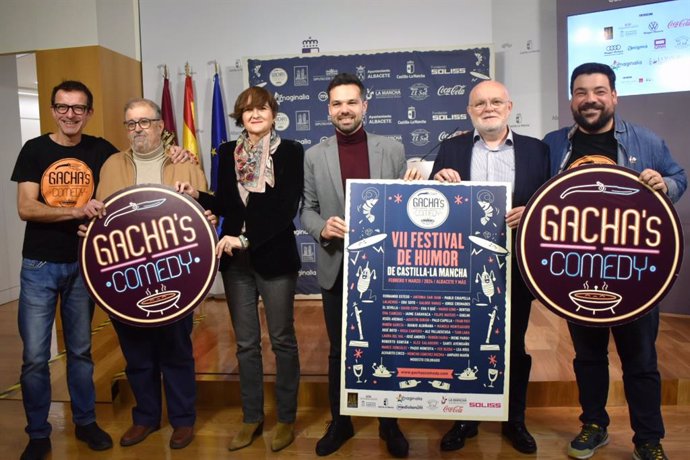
(42, 283)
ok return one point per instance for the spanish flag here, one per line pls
(189, 140)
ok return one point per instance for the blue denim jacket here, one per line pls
(638, 149)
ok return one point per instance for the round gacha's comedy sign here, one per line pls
(151, 260)
(598, 247)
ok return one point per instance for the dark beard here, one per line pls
(350, 130)
(594, 126)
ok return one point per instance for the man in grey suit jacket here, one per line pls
(351, 154)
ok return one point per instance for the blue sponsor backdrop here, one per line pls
(415, 97)
(426, 305)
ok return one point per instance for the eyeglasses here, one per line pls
(494, 103)
(76, 109)
(144, 123)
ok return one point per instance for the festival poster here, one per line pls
(426, 303)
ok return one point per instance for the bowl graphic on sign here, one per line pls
(158, 302)
(468, 374)
(595, 300)
(380, 370)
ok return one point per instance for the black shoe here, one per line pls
(93, 436)
(455, 438)
(396, 443)
(339, 431)
(37, 449)
(518, 435)
(649, 451)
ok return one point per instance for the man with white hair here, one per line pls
(493, 152)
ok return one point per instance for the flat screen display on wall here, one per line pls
(648, 46)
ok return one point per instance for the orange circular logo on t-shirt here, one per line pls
(67, 183)
(592, 159)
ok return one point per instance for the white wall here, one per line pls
(29, 117)
(118, 26)
(27, 25)
(525, 46)
(30, 25)
(11, 228)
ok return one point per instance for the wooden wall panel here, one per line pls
(112, 78)
(121, 81)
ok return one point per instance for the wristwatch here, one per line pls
(244, 241)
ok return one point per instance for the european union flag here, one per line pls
(219, 132)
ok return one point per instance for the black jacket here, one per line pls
(268, 216)
(531, 162)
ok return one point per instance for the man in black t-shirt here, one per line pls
(56, 177)
(601, 136)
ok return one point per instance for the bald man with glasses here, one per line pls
(494, 152)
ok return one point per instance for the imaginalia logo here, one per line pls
(151, 260)
(598, 247)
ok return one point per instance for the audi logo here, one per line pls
(613, 48)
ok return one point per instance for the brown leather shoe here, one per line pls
(181, 437)
(136, 433)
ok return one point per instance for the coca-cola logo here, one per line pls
(676, 24)
(457, 90)
(452, 409)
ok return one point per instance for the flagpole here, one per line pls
(215, 66)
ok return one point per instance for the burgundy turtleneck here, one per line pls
(353, 154)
